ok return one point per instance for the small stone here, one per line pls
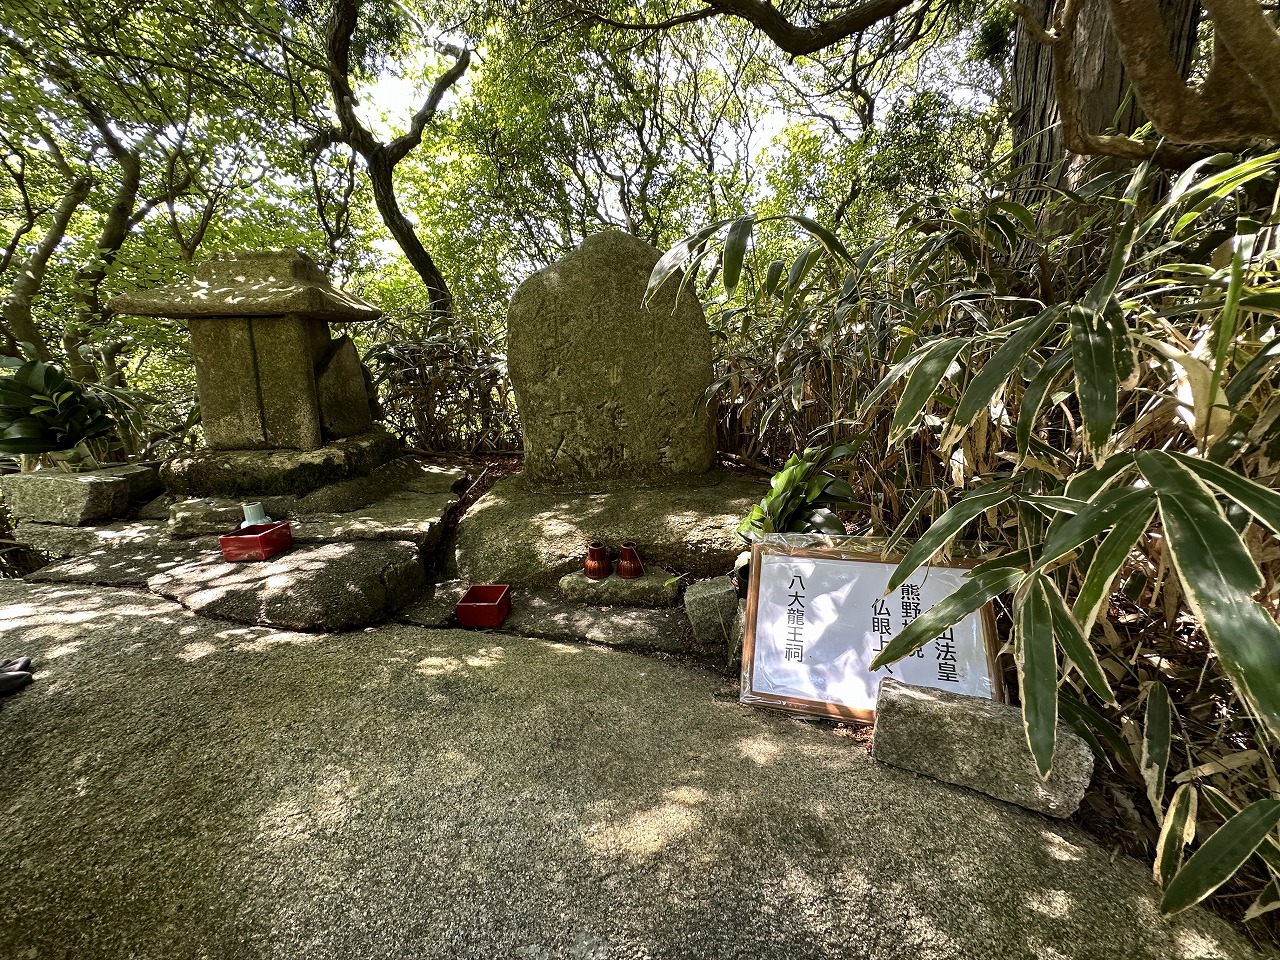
(712, 607)
(657, 588)
(977, 743)
(73, 499)
(344, 403)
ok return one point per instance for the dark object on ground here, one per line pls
(11, 681)
(485, 605)
(21, 664)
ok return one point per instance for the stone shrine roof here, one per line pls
(250, 284)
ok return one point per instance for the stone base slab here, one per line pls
(547, 617)
(657, 588)
(267, 473)
(522, 535)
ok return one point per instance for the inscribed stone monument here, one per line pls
(609, 388)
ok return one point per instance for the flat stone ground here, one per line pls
(174, 787)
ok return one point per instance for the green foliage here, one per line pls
(1098, 404)
(41, 411)
(803, 496)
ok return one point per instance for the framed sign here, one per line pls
(816, 618)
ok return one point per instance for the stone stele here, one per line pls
(259, 326)
(609, 388)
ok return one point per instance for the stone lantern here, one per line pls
(268, 372)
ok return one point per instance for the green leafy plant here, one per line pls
(804, 496)
(1089, 388)
(42, 411)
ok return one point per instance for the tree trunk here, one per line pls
(90, 312)
(19, 322)
(381, 172)
(1105, 93)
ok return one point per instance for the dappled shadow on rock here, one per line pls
(401, 792)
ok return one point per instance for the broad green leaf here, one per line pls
(977, 590)
(1097, 387)
(923, 384)
(1178, 829)
(1033, 399)
(1157, 731)
(1262, 502)
(734, 252)
(947, 526)
(1221, 855)
(772, 275)
(1037, 674)
(1074, 642)
(1110, 556)
(1100, 515)
(998, 368)
(1219, 578)
(824, 236)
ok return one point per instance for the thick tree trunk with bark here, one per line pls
(1105, 85)
(19, 322)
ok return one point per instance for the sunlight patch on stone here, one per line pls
(759, 750)
(650, 831)
(1051, 903)
(1061, 849)
(195, 651)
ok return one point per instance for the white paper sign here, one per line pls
(821, 621)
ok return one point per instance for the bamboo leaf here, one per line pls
(1178, 829)
(977, 590)
(1074, 642)
(1107, 561)
(1157, 731)
(1103, 513)
(1221, 855)
(1033, 399)
(942, 530)
(923, 384)
(1097, 387)
(1220, 579)
(1267, 900)
(998, 369)
(1037, 674)
(1262, 502)
(734, 252)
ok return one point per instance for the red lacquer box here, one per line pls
(258, 542)
(484, 605)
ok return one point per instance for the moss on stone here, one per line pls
(519, 533)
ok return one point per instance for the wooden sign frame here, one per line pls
(821, 708)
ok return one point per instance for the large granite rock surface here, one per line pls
(979, 744)
(607, 387)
